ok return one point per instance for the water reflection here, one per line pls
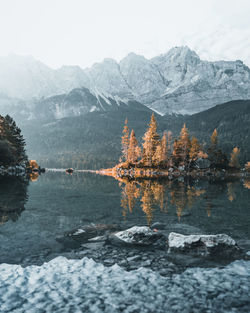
(181, 194)
(247, 183)
(13, 196)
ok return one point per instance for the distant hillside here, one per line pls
(93, 140)
(232, 121)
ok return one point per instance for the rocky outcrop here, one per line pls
(140, 236)
(202, 244)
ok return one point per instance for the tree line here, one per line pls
(165, 152)
(12, 143)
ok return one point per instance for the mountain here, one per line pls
(176, 82)
(79, 102)
(90, 140)
(25, 78)
(93, 140)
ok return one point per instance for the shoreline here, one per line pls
(134, 173)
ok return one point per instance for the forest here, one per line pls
(12, 143)
(164, 152)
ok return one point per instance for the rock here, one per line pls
(134, 258)
(158, 225)
(205, 244)
(98, 238)
(142, 236)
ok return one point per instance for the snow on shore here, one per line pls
(85, 286)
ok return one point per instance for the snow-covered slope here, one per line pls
(80, 101)
(175, 82)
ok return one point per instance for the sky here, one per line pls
(83, 32)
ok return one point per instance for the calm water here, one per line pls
(33, 215)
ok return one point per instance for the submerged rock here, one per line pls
(204, 244)
(139, 235)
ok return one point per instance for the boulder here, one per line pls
(202, 244)
(139, 235)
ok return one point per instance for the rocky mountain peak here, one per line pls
(175, 82)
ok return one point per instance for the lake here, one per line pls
(35, 214)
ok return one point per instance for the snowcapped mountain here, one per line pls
(175, 82)
(79, 102)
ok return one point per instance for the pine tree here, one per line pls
(14, 136)
(125, 142)
(12, 144)
(164, 149)
(185, 144)
(182, 147)
(151, 141)
(217, 158)
(176, 153)
(133, 149)
(234, 160)
(160, 155)
(214, 138)
(195, 149)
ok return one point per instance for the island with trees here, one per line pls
(164, 155)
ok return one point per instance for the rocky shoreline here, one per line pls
(155, 248)
(154, 173)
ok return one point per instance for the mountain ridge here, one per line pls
(174, 82)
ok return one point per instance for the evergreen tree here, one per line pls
(151, 141)
(182, 147)
(195, 149)
(133, 150)
(217, 158)
(12, 142)
(234, 160)
(160, 157)
(125, 142)
(214, 138)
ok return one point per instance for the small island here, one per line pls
(167, 156)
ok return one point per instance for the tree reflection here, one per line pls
(13, 196)
(247, 183)
(152, 194)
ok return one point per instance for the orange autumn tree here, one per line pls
(182, 147)
(134, 152)
(160, 156)
(151, 141)
(125, 142)
(234, 159)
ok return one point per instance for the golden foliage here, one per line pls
(247, 166)
(125, 141)
(230, 192)
(133, 149)
(33, 164)
(246, 183)
(234, 159)
(214, 137)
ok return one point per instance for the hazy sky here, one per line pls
(83, 32)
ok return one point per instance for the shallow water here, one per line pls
(35, 214)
